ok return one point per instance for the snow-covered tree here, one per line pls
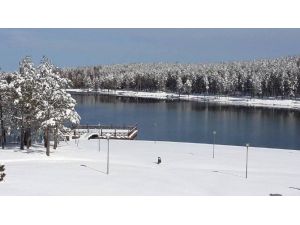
(179, 85)
(4, 104)
(271, 77)
(25, 95)
(56, 107)
(35, 99)
(187, 87)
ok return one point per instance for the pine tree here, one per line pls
(187, 87)
(25, 95)
(56, 105)
(4, 102)
(179, 85)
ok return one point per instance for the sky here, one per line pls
(87, 47)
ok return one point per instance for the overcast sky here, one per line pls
(80, 47)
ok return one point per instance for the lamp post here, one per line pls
(99, 136)
(107, 165)
(247, 146)
(214, 137)
(155, 125)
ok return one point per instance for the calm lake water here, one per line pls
(184, 121)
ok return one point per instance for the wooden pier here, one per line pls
(103, 131)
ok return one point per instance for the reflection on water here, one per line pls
(194, 121)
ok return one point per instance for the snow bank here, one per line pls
(243, 101)
(186, 169)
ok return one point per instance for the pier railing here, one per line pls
(87, 126)
(117, 132)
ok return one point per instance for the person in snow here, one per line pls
(158, 160)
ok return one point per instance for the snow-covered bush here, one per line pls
(2, 174)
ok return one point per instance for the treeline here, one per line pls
(274, 77)
(34, 101)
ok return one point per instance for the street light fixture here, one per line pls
(214, 135)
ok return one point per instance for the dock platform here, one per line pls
(103, 131)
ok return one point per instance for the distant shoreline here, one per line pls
(269, 102)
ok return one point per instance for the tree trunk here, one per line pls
(2, 128)
(22, 132)
(4, 137)
(22, 138)
(28, 138)
(55, 137)
(47, 141)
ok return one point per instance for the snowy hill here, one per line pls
(186, 169)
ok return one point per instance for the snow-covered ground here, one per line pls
(243, 101)
(186, 169)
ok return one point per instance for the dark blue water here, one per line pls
(184, 121)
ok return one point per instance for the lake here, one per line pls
(184, 121)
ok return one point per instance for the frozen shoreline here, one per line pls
(238, 101)
(186, 169)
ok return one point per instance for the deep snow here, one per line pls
(186, 169)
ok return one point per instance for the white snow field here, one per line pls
(186, 169)
(242, 101)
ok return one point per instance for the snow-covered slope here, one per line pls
(186, 169)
